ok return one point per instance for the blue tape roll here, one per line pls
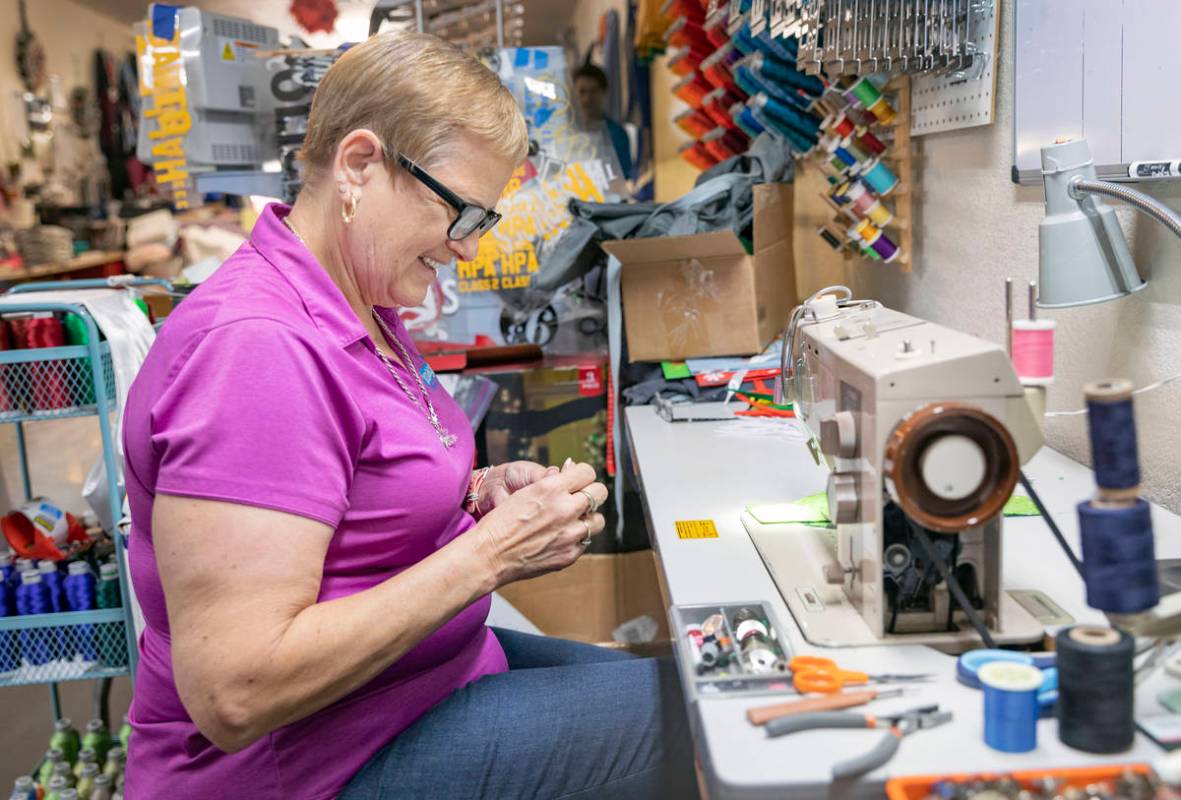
(1119, 557)
(880, 178)
(1011, 705)
(1113, 443)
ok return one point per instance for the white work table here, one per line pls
(698, 471)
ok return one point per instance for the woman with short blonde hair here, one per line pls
(312, 551)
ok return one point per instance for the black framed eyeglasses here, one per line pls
(469, 218)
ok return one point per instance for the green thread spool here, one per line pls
(125, 734)
(76, 335)
(45, 773)
(116, 760)
(98, 739)
(111, 648)
(866, 92)
(87, 755)
(66, 739)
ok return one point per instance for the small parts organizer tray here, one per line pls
(731, 649)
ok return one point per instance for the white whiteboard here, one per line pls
(1103, 70)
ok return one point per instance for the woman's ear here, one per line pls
(359, 153)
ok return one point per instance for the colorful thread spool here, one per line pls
(80, 590)
(717, 30)
(107, 595)
(746, 120)
(694, 122)
(840, 154)
(869, 142)
(854, 147)
(882, 111)
(866, 92)
(856, 238)
(33, 598)
(9, 647)
(829, 237)
(1033, 351)
(1095, 689)
(681, 61)
(879, 178)
(1119, 555)
(1010, 705)
(1112, 424)
(692, 89)
(842, 126)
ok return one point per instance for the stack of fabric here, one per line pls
(45, 244)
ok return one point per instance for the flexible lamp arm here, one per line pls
(1080, 186)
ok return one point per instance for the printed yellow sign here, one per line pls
(227, 53)
(696, 529)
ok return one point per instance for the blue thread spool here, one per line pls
(880, 178)
(745, 120)
(7, 575)
(33, 598)
(1119, 556)
(9, 646)
(787, 75)
(1112, 426)
(53, 585)
(1010, 705)
(798, 141)
(80, 593)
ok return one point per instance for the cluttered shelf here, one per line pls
(93, 260)
(63, 646)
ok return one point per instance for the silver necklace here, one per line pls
(448, 439)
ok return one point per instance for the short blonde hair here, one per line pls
(418, 93)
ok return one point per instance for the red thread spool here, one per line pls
(843, 125)
(48, 382)
(870, 142)
(717, 30)
(718, 75)
(1033, 351)
(718, 146)
(696, 154)
(682, 62)
(692, 89)
(694, 122)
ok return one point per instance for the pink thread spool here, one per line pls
(1033, 351)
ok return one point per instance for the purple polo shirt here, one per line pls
(264, 389)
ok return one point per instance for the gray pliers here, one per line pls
(899, 725)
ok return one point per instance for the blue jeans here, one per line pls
(568, 720)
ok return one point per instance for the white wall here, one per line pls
(975, 227)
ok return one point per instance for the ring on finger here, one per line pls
(586, 542)
(591, 505)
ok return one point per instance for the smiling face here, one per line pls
(398, 239)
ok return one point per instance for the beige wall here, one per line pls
(975, 227)
(70, 33)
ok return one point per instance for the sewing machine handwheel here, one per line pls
(940, 438)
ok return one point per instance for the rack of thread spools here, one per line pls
(78, 766)
(864, 153)
(738, 81)
(64, 602)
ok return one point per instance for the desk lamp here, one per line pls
(1083, 257)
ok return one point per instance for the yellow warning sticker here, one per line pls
(696, 529)
(227, 53)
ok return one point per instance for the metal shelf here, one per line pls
(69, 646)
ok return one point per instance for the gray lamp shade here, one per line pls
(1082, 254)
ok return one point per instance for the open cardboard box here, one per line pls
(702, 295)
(594, 596)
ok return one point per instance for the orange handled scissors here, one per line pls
(823, 676)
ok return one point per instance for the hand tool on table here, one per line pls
(829, 702)
(900, 724)
(968, 666)
(823, 676)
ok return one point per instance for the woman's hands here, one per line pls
(541, 527)
(504, 479)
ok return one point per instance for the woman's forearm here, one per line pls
(246, 667)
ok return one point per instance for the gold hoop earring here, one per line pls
(348, 209)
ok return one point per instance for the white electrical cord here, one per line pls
(1142, 390)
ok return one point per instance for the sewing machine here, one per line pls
(924, 430)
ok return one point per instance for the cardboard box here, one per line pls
(702, 295)
(590, 599)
